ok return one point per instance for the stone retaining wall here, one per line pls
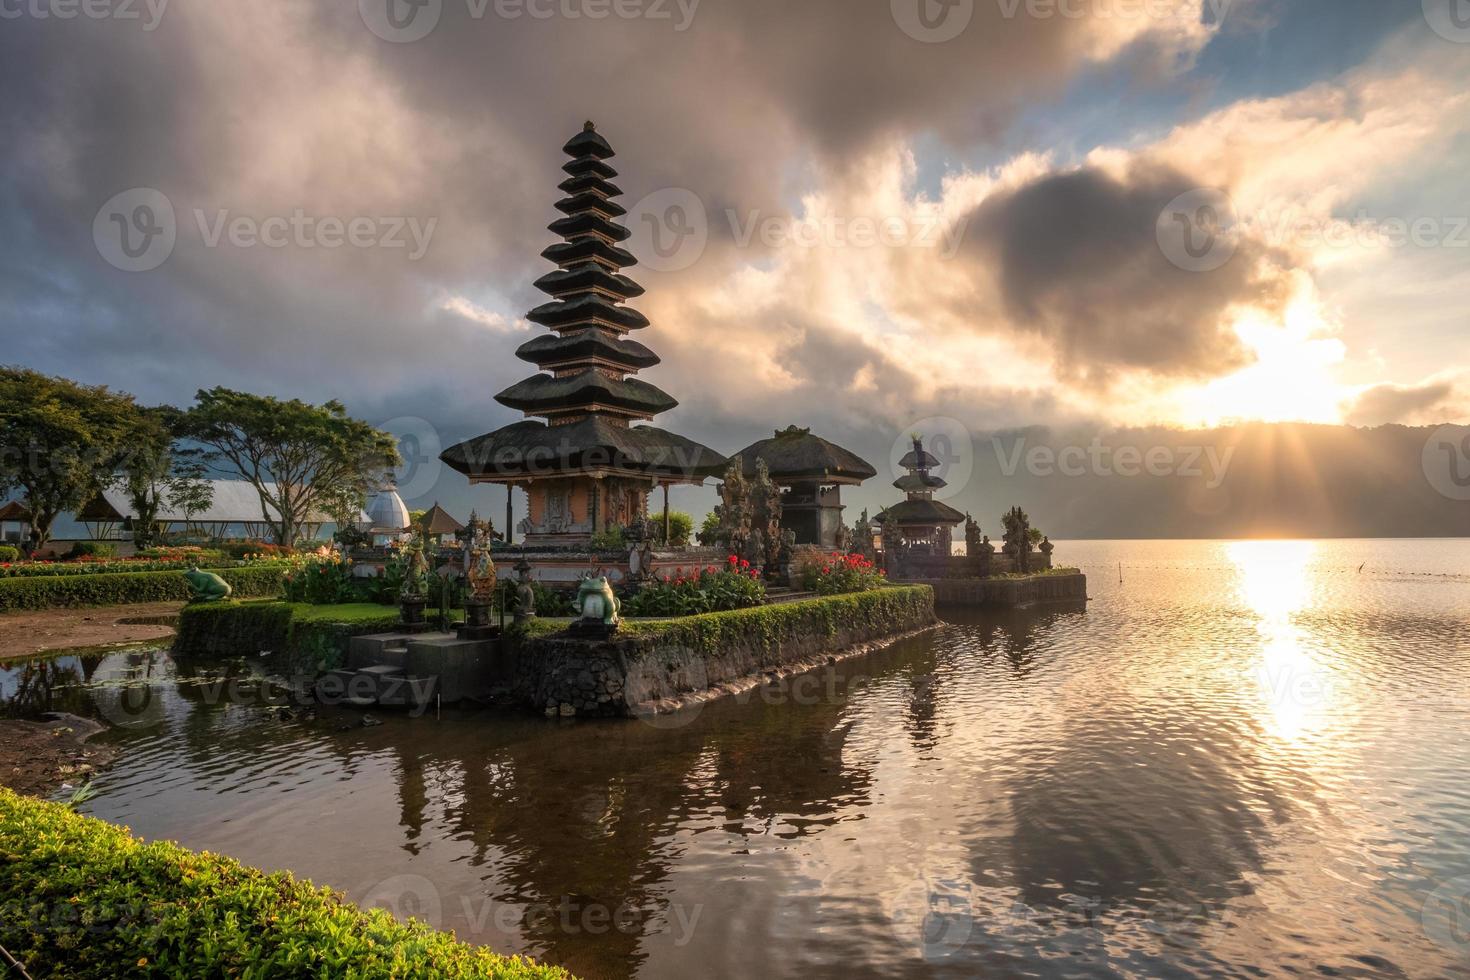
(706, 656)
(1013, 592)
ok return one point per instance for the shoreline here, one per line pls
(38, 758)
(30, 633)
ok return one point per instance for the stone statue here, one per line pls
(525, 593)
(972, 537)
(206, 586)
(482, 575)
(892, 546)
(1046, 548)
(734, 508)
(596, 604)
(843, 538)
(416, 576)
(765, 499)
(863, 537)
(1018, 538)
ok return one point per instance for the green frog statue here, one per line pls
(206, 586)
(597, 605)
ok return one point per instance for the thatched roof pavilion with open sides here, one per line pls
(589, 466)
(812, 472)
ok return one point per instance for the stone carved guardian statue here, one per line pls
(1018, 538)
(525, 593)
(765, 498)
(863, 537)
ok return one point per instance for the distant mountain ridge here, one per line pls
(1247, 480)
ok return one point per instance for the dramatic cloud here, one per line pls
(1001, 289)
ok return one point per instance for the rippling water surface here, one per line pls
(1241, 759)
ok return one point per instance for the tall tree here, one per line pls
(60, 442)
(297, 456)
(155, 470)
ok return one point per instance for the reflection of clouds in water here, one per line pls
(1102, 788)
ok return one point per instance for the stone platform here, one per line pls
(1009, 592)
(415, 670)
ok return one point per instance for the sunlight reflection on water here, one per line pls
(1241, 758)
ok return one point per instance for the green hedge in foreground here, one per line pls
(120, 588)
(83, 899)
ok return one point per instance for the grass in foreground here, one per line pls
(84, 899)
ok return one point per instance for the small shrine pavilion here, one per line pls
(588, 467)
(923, 524)
(437, 524)
(811, 473)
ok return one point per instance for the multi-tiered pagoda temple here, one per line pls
(924, 525)
(588, 467)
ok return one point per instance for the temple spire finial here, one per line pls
(588, 126)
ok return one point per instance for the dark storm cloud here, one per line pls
(1078, 262)
(263, 109)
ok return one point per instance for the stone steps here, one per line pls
(413, 670)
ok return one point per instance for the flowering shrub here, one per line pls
(711, 589)
(321, 579)
(842, 573)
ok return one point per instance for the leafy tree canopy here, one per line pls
(299, 457)
(62, 442)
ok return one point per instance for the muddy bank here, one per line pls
(24, 634)
(40, 757)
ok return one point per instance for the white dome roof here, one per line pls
(386, 511)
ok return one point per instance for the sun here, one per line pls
(1291, 378)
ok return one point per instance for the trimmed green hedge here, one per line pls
(875, 609)
(708, 632)
(233, 629)
(306, 639)
(84, 899)
(49, 592)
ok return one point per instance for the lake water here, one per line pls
(1241, 759)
